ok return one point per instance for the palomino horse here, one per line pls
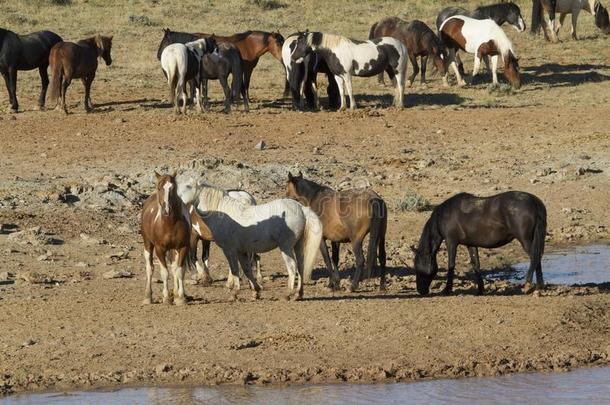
(166, 227)
(347, 58)
(69, 60)
(481, 38)
(347, 216)
(25, 52)
(180, 64)
(240, 230)
(302, 77)
(538, 20)
(595, 7)
(190, 190)
(420, 41)
(487, 222)
(251, 44)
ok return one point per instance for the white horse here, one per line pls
(347, 58)
(189, 190)
(240, 229)
(565, 7)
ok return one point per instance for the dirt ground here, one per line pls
(72, 276)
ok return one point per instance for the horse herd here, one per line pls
(179, 214)
(196, 58)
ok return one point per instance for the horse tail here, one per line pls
(537, 249)
(308, 246)
(379, 223)
(56, 76)
(372, 31)
(537, 15)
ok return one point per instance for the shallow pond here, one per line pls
(591, 386)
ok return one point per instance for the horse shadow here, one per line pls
(411, 99)
(559, 75)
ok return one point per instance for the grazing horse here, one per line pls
(69, 60)
(190, 190)
(347, 216)
(302, 77)
(565, 7)
(251, 44)
(538, 20)
(487, 222)
(481, 38)
(420, 41)
(240, 230)
(501, 13)
(25, 52)
(180, 64)
(166, 227)
(218, 66)
(346, 58)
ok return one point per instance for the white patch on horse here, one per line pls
(197, 229)
(166, 189)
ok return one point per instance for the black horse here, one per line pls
(304, 76)
(538, 8)
(218, 66)
(25, 52)
(487, 222)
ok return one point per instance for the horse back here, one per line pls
(35, 49)
(79, 59)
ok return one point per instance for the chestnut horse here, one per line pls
(251, 45)
(166, 227)
(420, 41)
(346, 216)
(69, 60)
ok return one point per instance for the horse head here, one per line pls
(514, 17)
(301, 49)
(295, 188)
(165, 41)
(275, 43)
(188, 190)
(211, 44)
(424, 262)
(166, 192)
(104, 46)
(511, 70)
(601, 18)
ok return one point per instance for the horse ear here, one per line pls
(413, 248)
(290, 177)
(110, 37)
(300, 174)
(157, 175)
(174, 173)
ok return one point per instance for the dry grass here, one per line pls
(136, 25)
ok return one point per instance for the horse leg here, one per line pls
(574, 20)
(335, 255)
(357, 247)
(161, 256)
(245, 260)
(413, 60)
(64, 88)
(424, 64)
(148, 260)
(204, 268)
(476, 67)
(340, 81)
(87, 84)
(333, 275)
(44, 79)
(246, 82)
(558, 25)
(7, 81)
(234, 267)
(227, 90)
(476, 267)
(181, 258)
(11, 86)
(291, 266)
(451, 253)
(350, 92)
(494, 69)
(539, 278)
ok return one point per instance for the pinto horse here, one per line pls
(481, 38)
(487, 222)
(166, 227)
(346, 58)
(595, 7)
(346, 216)
(420, 41)
(501, 13)
(69, 60)
(538, 20)
(25, 52)
(302, 77)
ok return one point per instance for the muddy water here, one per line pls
(581, 265)
(591, 386)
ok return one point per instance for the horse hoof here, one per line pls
(180, 301)
(528, 288)
(206, 281)
(13, 110)
(297, 297)
(382, 287)
(352, 288)
(39, 108)
(167, 301)
(447, 291)
(287, 297)
(147, 301)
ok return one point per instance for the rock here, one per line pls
(119, 120)
(81, 264)
(316, 151)
(28, 342)
(163, 368)
(32, 236)
(261, 145)
(117, 274)
(6, 276)
(33, 277)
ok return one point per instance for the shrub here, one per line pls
(412, 201)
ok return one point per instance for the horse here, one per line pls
(180, 64)
(346, 58)
(486, 222)
(69, 60)
(251, 45)
(218, 66)
(240, 230)
(347, 216)
(565, 7)
(25, 52)
(166, 228)
(189, 190)
(481, 38)
(500, 13)
(538, 20)
(302, 77)
(420, 41)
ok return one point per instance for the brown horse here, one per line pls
(346, 216)
(420, 41)
(166, 227)
(69, 60)
(251, 45)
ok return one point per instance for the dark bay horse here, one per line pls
(487, 222)
(501, 13)
(420, 41)
(538, 20)
(25, 52)
(166, 228)
(346, 216)
(69, 60)
(251, 44)
(218, 66)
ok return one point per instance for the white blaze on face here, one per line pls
(521, 25)
(166, 189)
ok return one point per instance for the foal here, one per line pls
(69, 60)
(166, 227)
(346, 216)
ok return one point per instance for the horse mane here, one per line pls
(329, 41)
(503, 43)
(182, 37)
(430, 230)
